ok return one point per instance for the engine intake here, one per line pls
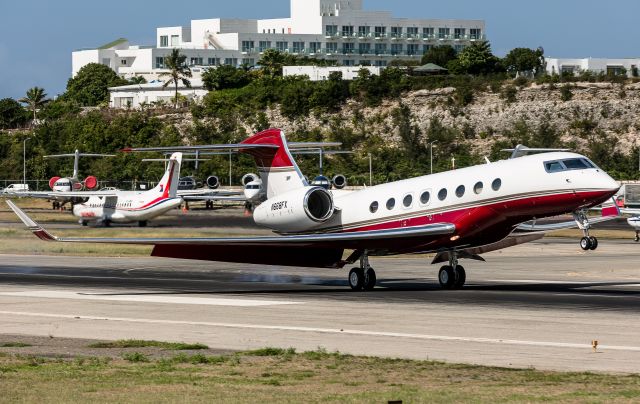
(213, 182)
(339, 181)
(318, 205)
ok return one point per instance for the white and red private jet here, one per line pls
(455, 214)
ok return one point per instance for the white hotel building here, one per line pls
(339, 30)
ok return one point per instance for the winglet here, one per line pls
(35, 228)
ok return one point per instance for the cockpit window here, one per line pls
(568, 164)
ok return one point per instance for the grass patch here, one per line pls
(14, 345)
(306, 377)
(135, 343)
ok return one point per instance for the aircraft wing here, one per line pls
(84, 194)
(31, 194)
(311, 250)
(208, 192)
(229, 198)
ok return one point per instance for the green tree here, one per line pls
(440, 55)
(90, 87)
(524, 59)
(272, 61)
(178, 72)
(478, 58)
(12, 114)
(225, 77)
(36, 98)
(137, 80)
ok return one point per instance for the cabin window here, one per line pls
(408, 201)
(374, 207)
(569, 164)
(478, 188)
(553, 166)
(497, 184)
(391, 203)
(576, 164)
(442, 195)
(425, 197)
(460, 191)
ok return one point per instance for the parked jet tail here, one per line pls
(168, 185)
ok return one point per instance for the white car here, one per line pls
(14, 188)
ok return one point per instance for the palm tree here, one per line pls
(35, 99)
(179, 72)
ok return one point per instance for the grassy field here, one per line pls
(276, 375)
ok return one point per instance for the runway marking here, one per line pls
(334, 331)
(206, 301)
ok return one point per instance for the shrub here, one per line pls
(565, 93)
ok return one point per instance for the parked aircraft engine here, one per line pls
(52, 182)
(296, 211)
(90, 182)
(213, 182)
(249, 178)
(339, 181)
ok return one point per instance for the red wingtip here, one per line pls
(126, 150)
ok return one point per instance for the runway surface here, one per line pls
(537, 305)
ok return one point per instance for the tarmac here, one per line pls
(538, 305)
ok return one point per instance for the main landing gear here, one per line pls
(363, 278)
(587, 242)
(452, 276)
(637, 239)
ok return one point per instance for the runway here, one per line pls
(538, 305)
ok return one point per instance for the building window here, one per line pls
(164, 41)
(249, 62)
(428, 33)
(331, 30)
(413, 49)
(348, 48)
(364, 31)
(412, 32)
(332, 47)
(459, 48)
(459, 33)
(497, 184)
(298, 47)
(123, 62)
(196, 62)
(391, 203)
(364, 63)
(247, 46)
(442, 195)
(374, 207)
(231, 61)
(347, 62)
(396, 32)
(264, 45)
(381, 48)
(347, 30)
(443, 33)
(396, 49)
(214, 61)
(475, 33)
(282, 46)
(160, 62)
(315, 47)
(364, 48)
(380, 32)
(380, 63)
(426, 48)
(175, 40)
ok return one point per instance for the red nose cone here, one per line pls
(90, 182)
(53, 181)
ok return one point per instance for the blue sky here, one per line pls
(37, 36)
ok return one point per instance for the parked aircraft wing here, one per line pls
(83, 194)
(229, 198)
(313, 250)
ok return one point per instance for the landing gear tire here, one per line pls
(461, 277)
(585, 243)
(142, 224)
(356, 279)
(594, 243)
(84, 223)
(637, 239)
(447, 277)
(369, 280)
(107, 223)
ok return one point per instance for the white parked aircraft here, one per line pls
(456, 214)
(115, 206)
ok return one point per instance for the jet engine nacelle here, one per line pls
(249, 178)
(90, 182)
(213, 182)
(339, 181)
(296, 211)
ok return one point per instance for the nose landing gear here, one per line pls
(587, 242)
